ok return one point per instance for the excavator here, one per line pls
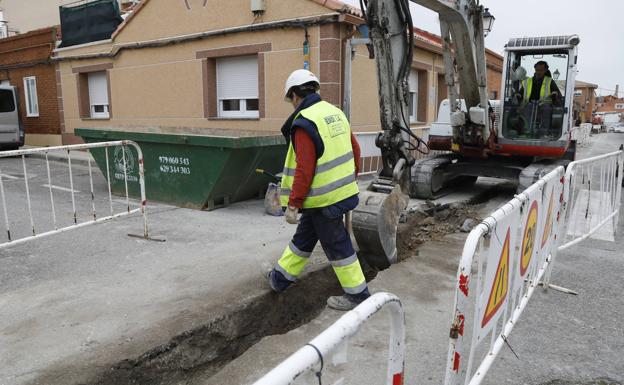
(513, 138)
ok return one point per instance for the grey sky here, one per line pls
(599, 23)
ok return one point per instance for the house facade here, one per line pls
(25, 63)
(207, 66)
(584, 101)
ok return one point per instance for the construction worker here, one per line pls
(319, 181)
(538, 95)
(540, 87)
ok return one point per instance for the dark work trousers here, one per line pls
(325, 225)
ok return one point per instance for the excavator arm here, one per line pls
(391, 33)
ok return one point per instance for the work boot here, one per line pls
(342, 302)
(267, 273)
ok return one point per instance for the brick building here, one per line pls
(584, 101)
(611, 104)
(25, 63)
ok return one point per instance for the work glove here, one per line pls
(291, 215)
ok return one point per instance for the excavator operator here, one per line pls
(319, 180)
(540, 87)
(539, 94)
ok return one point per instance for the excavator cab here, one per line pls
(539, 74)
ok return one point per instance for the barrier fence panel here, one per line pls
(592, 194)
(581, 134)
(36, 209)
(314, 355)
(504, 259)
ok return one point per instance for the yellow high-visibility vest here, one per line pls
(334, 177)
(527, 84)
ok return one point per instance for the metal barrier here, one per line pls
(581, 133)
(313, 353)
(592, 192)
(512, 250)
(56, 229)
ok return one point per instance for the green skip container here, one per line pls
(188, 167)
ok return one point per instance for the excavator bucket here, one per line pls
(375, 223)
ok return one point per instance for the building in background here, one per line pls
(225, 70)
(584, 101)
(22, 16)
(26, 63)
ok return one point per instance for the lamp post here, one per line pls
(488, 21)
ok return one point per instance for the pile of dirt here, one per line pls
(433, 223)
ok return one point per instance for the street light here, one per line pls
(556, 74)
(488, 22)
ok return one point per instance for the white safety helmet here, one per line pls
(519, 74)
(298, 78)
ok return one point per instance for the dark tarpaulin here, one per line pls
(92, 21)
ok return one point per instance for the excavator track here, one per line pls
(428, 177)
(533, 172)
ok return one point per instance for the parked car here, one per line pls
(619, 128)
(11, 128)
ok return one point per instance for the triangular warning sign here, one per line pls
(500, 286)
(549, 217)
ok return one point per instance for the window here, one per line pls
(30, 91)
(619, 106)
(413, 94)
(237, 87)
(7, 103)
(98, 95)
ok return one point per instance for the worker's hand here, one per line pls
(291, 215)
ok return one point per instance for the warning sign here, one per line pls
(500, 286)
(549, 218)
(528, 241)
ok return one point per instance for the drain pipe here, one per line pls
(291, 23)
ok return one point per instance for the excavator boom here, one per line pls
(375, 220)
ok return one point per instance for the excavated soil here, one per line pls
(433, 223)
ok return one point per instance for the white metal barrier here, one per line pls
(76, 224)
(581, 133)
(512, 250)
(314, 353)
(592, 192)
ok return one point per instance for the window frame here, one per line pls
(30, 97)
(84, 98)
(413, 97)
(92, 113)
(213, 107)
(242, 112)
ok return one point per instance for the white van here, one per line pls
(11, 128)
